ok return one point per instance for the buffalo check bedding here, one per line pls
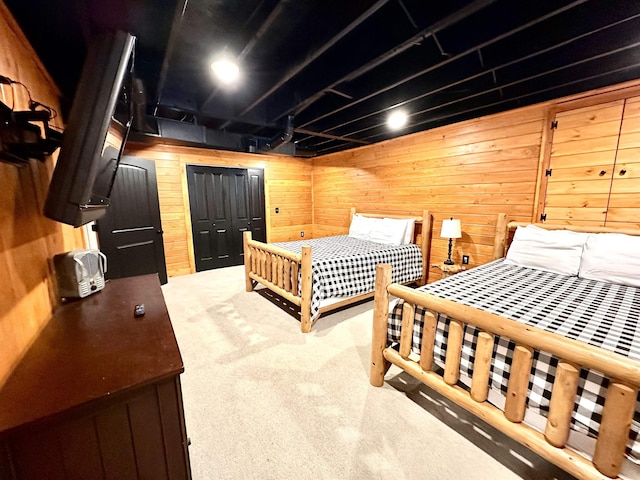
(602, 314)
(344, 266)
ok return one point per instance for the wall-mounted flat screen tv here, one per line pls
(95, 134)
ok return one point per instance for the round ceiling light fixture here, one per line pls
(397, 119)
(226, 70)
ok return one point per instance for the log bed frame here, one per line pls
(280, 273)
(624, 374)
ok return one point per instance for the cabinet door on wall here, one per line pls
(580, 171)
(624, 202)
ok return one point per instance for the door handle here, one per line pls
(623, 171)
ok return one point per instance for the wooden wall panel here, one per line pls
(625, 187)
(287, 187)
(27, 239)
(582, 155)
(471, 170)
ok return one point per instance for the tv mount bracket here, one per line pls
(21, 139)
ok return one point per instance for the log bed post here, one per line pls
(246, 238)
(502, 234)
(379, 365)
(305, 306)
(425, 245)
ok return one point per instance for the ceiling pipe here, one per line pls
(282, 137)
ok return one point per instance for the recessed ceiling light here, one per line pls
(397, 119)
(226, 70)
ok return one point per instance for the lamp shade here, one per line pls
(451, 228)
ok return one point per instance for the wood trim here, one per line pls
(543, 165)
(596, 97)
(576, 228)
(187, 217)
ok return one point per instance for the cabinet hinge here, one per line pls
(547, 172)
(554, 125)
(543, 217)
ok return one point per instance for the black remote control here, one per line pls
(139, 310)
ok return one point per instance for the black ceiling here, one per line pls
(340, 66)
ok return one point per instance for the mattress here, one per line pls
(601, 314)
(344, 266)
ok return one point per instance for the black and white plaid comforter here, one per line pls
(601, 314)
(343, 266)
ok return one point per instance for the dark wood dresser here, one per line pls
(98, 394)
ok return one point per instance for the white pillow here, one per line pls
(408, 233)
(389, 231)
(557, 251)
(613, 258)
(361, 227)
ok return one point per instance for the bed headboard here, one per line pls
(505, 229)
(421, 234)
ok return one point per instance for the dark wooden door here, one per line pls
(130, 233)
(256, 204)
(222, 203)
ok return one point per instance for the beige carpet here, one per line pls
(264, 401)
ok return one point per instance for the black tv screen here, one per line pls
(95, 134)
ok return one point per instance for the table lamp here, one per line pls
(450, 230)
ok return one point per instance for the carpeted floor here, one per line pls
(264, 401)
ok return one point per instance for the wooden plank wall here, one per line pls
(623, 209)
(471, 170)
(287, 187)
(581, 160)
(27, 239)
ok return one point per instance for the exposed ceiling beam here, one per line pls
(292, 72)
(264, 27)
(449, 60)
(513, 83)
(520, 97)
(181, 8)
(492, 71)
(396, 50)
(330, 136)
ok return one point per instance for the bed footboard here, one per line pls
(277, 269)
(624, 376)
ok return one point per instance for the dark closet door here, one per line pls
(256, 205)
(130, 233)
(220, 207)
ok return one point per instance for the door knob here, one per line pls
(160, 231)
(623, 171)
(602, 172)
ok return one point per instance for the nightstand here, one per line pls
(448, 270)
